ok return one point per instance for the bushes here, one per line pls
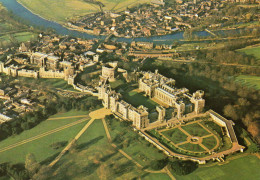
(16, 171)
(183, 167)
(159, 164)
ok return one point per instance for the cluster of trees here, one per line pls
(240, 103)
(230, 57)
(182, 167)
(16, 171)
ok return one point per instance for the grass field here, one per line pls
(250, 81)
(96, 159)
(244, 168)
(49, 82)
(192, 147)
(175, 135)
(251, 50)
(137, 99)
(40, 147)
(140, 150)
(209, 142)
(195, 130)
(117, 84)
(62, 10)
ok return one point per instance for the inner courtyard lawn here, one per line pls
(136, 99)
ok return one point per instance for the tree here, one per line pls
(247, 119)
(230, 111)
(159, 164)
(31, 165)
(254, 129)
(183, 167)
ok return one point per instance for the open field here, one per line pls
(11, 31)
(251, 50)
(62, 10)
(243, 168)
(139, 149)
(136, 99)
(95, 158)
(40, 145)
(250, 81)
(17, 37)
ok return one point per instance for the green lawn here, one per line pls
(62, 10)
(95, 158)
(117, 84)
(209, 142)
(137, 99)
(17, 37)
(244, 168)
(175, 135)
(139, 149)
(195, 130)
(250, 81)
(40, 147)
(70, 113)
(251, 50)
(192, 147)
(49, 82)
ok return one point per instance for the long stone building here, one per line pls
(122, 109)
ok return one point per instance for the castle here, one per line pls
(156, 86)
(122, 109)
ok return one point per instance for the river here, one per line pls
(36, 21)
